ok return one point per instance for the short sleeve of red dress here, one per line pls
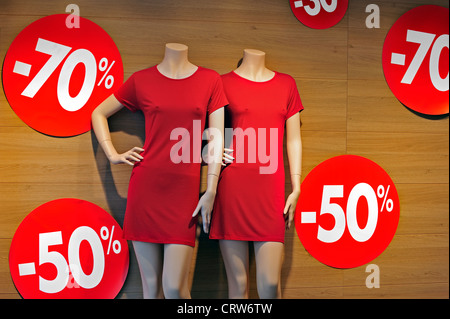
(218, 98)
(294, 103)
(126, 94)
(164, 187)
(250, 195)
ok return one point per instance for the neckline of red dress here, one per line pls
(274, 76)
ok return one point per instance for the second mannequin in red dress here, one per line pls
(250, 204)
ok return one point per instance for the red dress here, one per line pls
(164, 187)
(250, 195)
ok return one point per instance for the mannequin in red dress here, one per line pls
(164, 268)
(268, 254)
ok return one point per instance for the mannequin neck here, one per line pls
(253, 66)
(176, 64)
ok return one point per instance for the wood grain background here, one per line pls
(349, 109)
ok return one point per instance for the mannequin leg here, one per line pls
(149, 257)
(175, 278)
(235, 256)
(269, 259)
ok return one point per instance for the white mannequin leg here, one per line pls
(149, 257)
(269, 259)
(235, 256)
(177, 262)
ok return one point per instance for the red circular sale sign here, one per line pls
(416, 59)
(69, 249)
(319, 14)
(54, 74)
(348, 211)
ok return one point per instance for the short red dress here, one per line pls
(250, 196)
(164, 187)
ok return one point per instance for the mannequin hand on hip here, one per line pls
(205, 205)
(227, 158)
(289, 208)
(131, 157)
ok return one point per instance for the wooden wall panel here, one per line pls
(349, 109)
(414, 152)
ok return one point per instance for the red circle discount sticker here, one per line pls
(54, 76)
(68, 249)
(319, 14)
(416, 59)
(348, 211)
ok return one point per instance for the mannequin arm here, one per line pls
(206, 202)
(294, 152)
(216, 120)
(100, 125)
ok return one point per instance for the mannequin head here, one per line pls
(176, 64)
(176, 46)
(252, 66)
